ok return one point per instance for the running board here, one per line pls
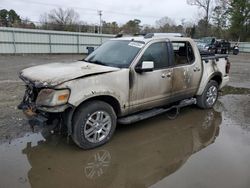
(151, 113)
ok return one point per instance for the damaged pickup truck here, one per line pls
(125, 80)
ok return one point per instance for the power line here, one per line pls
(57, 5)
(94, 10)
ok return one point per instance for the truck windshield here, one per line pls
(115, 53)
(206, 40)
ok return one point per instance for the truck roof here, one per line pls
(156, 37)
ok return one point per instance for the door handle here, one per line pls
(196, 69)
(166, 75)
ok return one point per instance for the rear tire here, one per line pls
(94, 124)
(209, 95)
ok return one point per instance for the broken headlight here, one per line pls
(51, 97)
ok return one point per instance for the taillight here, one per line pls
(228, 65)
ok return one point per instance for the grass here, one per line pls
(234, 90)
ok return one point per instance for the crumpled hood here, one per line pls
(53, 74)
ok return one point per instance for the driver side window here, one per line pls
(156, 52)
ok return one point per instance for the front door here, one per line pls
(151, 89)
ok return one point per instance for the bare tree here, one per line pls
(206, 5)
(64, 17)
(164, 21)
(165, 24)
(60, 19)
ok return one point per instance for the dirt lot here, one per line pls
(12, 122)
(201, 148)
(240, 72)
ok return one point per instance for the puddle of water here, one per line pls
(14, 165)
(201, 148)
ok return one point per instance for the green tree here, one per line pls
(13, 18)
(9, 18)
(240, 19)
(110, 28)
(220, 18)
(206, 6)
(132, 27)
(202, 29)
(4, 17)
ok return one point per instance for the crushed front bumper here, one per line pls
(32, 115)
(29, 108)
(43, 115)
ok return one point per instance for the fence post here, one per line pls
(78, 43)
(50, 48)
(101, 39)
(14, 41)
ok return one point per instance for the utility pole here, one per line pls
(100, 27)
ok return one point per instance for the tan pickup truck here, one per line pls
(125, 80)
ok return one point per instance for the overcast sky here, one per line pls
(148, 11)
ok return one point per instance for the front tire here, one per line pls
(209, 95)
(93, 124)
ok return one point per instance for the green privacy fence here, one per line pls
(21, 41)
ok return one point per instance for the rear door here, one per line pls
(186, 70)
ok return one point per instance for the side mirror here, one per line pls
(146, 66)
(90, 49)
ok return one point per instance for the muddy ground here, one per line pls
(13, 124)
(201, 148)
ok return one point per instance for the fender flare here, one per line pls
(215, 74)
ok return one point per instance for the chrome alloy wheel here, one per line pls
(212, 94)
(97, 126)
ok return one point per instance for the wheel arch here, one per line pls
(216, 76)
(111, 100)
(70, 112)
